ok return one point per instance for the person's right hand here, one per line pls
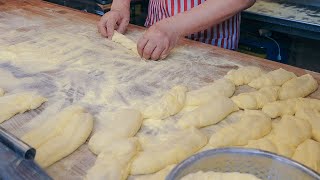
(116, 19)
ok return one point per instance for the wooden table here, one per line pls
(62, 56)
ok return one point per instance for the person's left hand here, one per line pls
(157, 41)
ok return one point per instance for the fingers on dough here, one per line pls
(244, 75)
(125, 42)
(174, 149)
(272, 78)
(308, 153)
(115, 160)
(221, 87)
(298, 87)
(60, 136)
(208, 114)
(170, 104)
(257, 99)
(237, 134)
(13, 104)
(125, 123)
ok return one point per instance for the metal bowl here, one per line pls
(262, 164)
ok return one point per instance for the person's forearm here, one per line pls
(207, 14)
(116, 4)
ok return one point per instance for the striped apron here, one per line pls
(225, 35)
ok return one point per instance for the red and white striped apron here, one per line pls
(225, 35)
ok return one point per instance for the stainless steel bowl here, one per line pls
(262, 164)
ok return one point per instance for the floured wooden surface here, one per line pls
(59, 53)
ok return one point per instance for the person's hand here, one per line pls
(116, 19)
(158, 41)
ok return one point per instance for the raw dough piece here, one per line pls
(280, 108)
(272, 78)
(1, 92)
(298, 87)
(125, 123)
(313, 117)
(60, 135)
(125, 42)
(114, 162)
(256, 99)
(244, 75)
(170, 104)
(211, 175)
(19, 103)
(308, 153)
(221, 87)
(237, 134)
(160, 175)
(210, 113)
(174, 149)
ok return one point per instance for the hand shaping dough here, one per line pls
(19, 103)
(219, 176)
(298, 87)
(313, 117)
(210, 113)
(308, 153)
(125, 42)
(1, 92)
(272, 78)
(244, 75)
(125, 123)
(221, 87)
(256, 99)
(285, 136)
(174, 149)
(60, 135)
(237, 134)
(170, 104)
(160, 175)
(114, 162)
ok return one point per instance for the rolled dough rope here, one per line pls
(218, 175)
(273, 78)
(298, 87)
(244, 75)
(257, 99)
(210, 113)
(125, 42)
(237, 134)
(174, 149)
(221, 87)
(313, 117)
(19, 103)
(160, 175)
(308, 153)
(1, 92)
(114, 161)
(170, 104)
(125, 123)
(71, 129)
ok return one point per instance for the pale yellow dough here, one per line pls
(256, 99)
(19, 103)
(114, 162)
(313, 117)
(1, 92)
(298, 87)
(170, 104)
(272, 78)
(308, 153)
(60, 135)
(125, 42)
(244, 75)
(211, 175)
(221, 87)
(176, 147)
(210, 113)
(237, 134)
(160, 175)
(124, 123)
